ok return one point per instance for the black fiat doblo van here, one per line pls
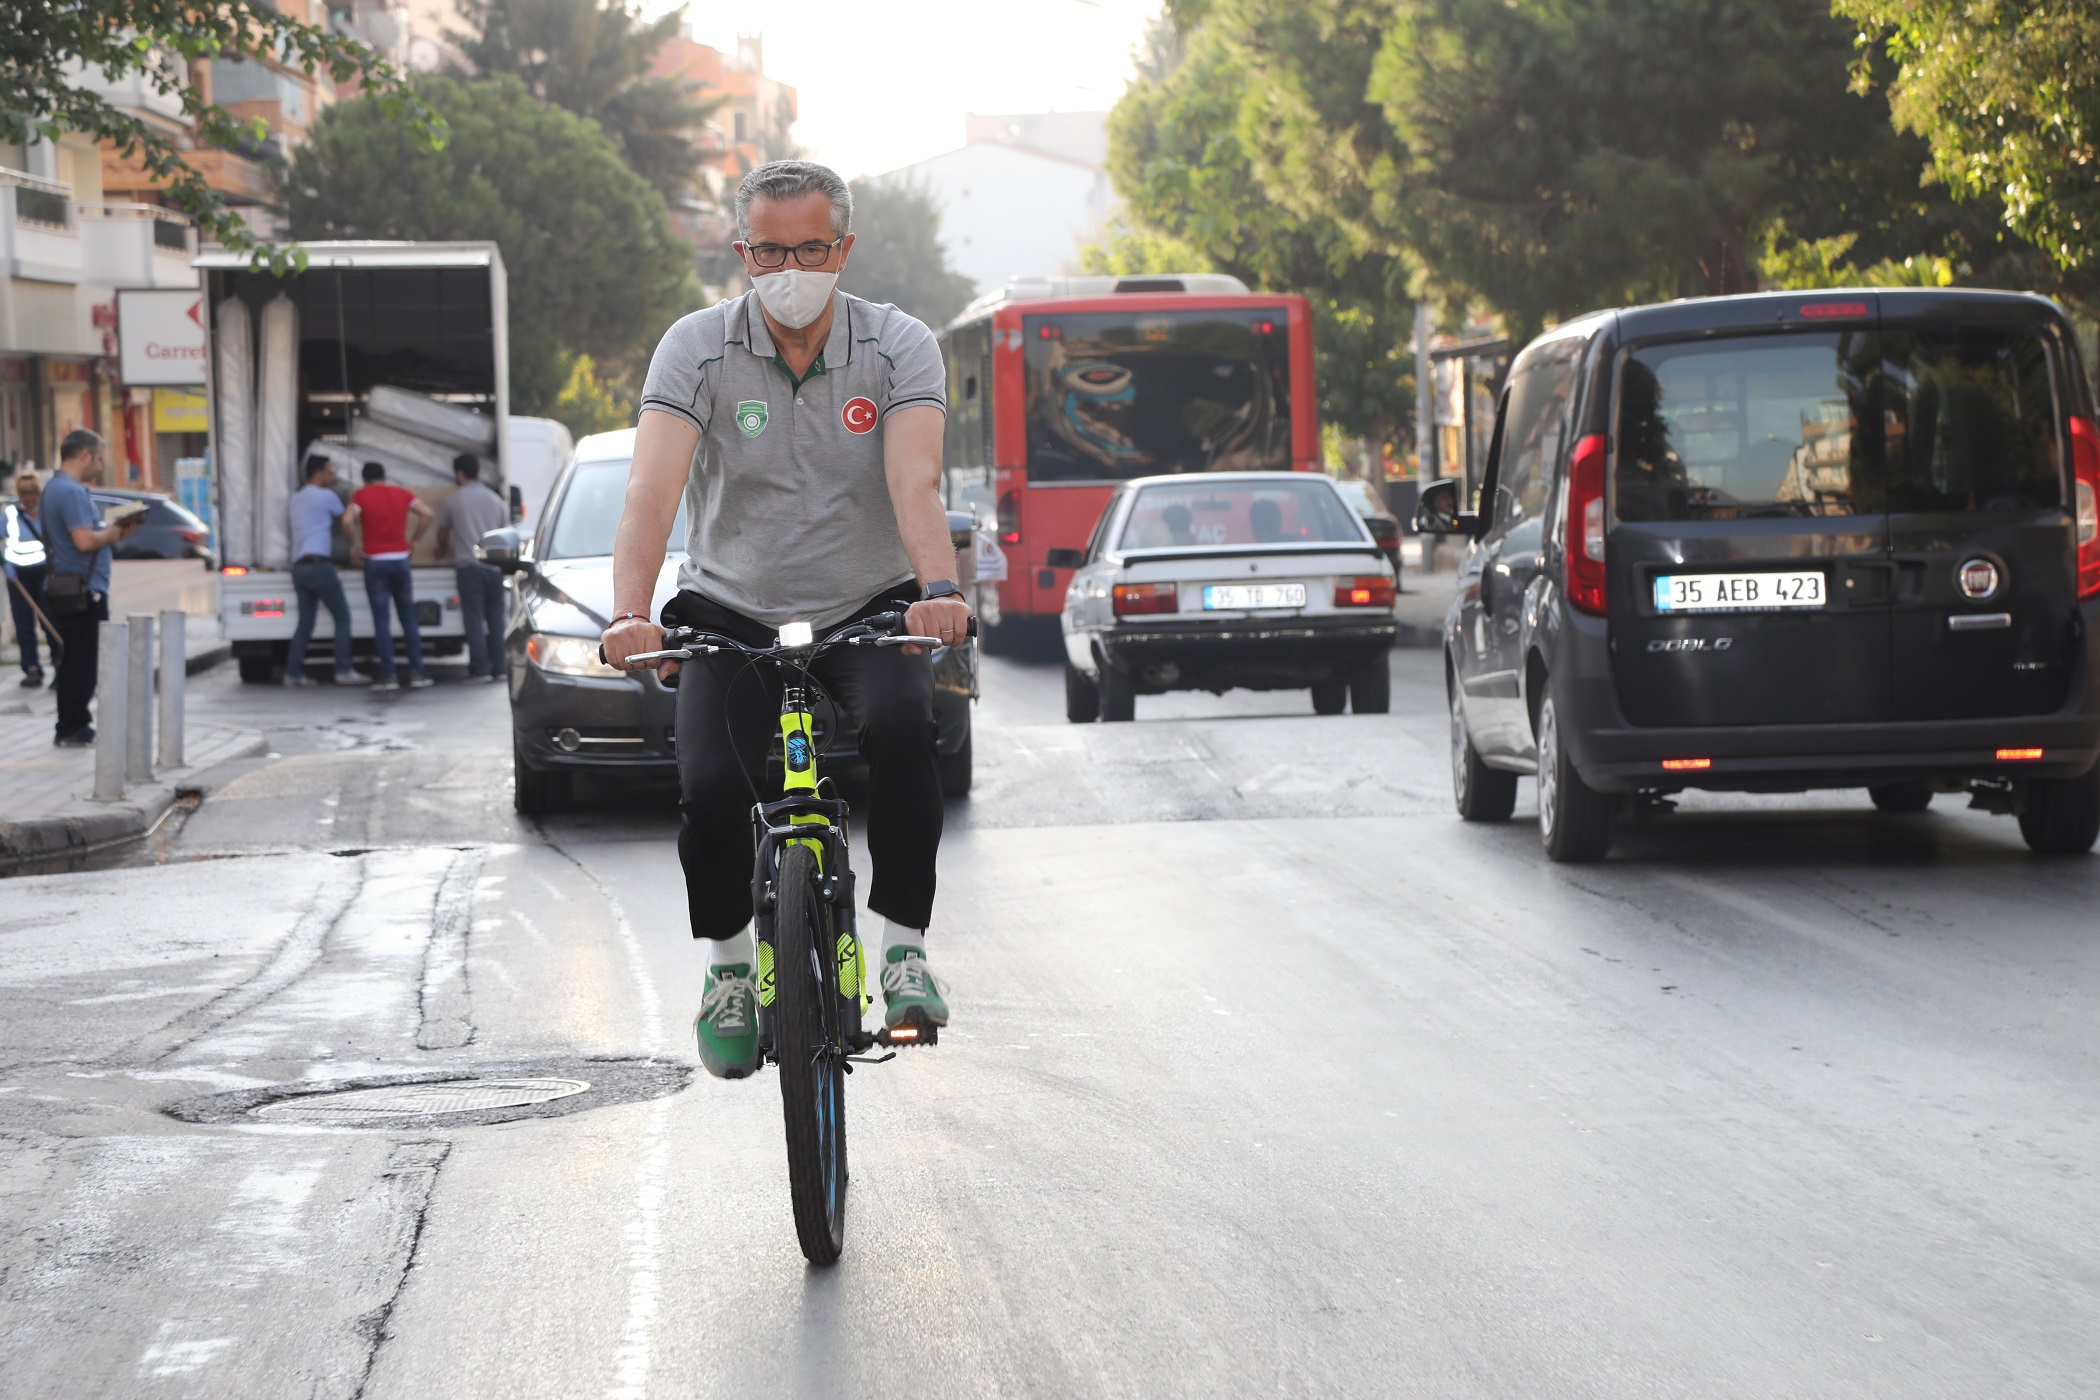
(1785, 541)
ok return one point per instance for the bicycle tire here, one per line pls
(806, 1008)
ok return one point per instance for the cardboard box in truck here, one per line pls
(296, 363)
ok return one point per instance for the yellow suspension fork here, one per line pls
(798, 754)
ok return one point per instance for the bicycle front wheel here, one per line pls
(806, 1036)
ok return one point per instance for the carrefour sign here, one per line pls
(160, 337)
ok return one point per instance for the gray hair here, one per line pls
(785, 179)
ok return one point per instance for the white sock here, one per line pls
(896, 935)
(739, 947)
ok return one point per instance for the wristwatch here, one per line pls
(939, 588)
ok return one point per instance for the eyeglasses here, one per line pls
(772, 255)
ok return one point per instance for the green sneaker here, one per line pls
(727, 1026)
(910, 990)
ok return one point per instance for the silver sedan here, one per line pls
(1223, 580)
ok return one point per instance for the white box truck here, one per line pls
(296, 362)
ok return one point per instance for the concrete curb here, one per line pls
(88, 829)
(214, 655)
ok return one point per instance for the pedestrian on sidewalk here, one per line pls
(469, 513)
(76, 584)
(26, 560)
(314, 510)
(385, 522)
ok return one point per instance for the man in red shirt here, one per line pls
(384, 523)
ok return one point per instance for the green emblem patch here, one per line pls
(751, 417)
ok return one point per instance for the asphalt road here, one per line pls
(1267, 1076)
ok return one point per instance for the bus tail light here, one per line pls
(1372, 592)
(1010, 518)
(1146, 598)
(2085, 467)
(1583, 545)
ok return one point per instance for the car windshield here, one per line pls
(1358, 494)
(1226, 513)
(1113, 395)
(589, 514)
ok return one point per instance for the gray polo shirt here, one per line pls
(469, 513)
(788, 505)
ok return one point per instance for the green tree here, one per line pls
(594, 267)
(2008, 93)
(590, 404)
(44, 48)
(593, 59)
(897, 252)
(1197, 202)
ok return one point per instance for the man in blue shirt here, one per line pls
(79, 548)
(314, 510)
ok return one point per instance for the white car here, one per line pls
(1222, 580)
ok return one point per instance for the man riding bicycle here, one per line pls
(802, 427)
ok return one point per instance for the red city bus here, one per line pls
(1058, 388)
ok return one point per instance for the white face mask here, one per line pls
(795, 297)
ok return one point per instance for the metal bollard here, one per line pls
(174, 674)
(113, 684)
(138, 709)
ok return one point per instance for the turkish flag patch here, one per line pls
(859, 415)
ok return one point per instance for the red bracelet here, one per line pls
(627, 617)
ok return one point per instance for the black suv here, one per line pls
(1778, 542)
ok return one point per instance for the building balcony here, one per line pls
(39, 229)
(137, 245)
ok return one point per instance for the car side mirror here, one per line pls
(1064, 558)
(503, 549)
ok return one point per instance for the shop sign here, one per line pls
(160, 337)
(180, 411)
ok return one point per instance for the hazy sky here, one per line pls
(886, 82)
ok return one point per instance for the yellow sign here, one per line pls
(180, 411)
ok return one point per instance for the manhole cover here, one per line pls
(399, 1100)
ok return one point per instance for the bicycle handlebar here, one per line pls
(684, 643)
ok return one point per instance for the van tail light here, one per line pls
(1583, 546)
(1010, 518)
(1371, 592)
(1384, 531)
(2085, 468)
(234, 570)
(1146, 598)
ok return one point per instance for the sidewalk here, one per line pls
(45, 810)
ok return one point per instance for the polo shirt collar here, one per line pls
(838, 346)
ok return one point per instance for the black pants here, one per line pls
(889, 699)
(77, 668)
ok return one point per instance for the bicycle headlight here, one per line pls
(568, 656)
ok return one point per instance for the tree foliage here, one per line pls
(593, 264)
(897, 253)
(46, 47)
(1179, 154)
(592, 57)
(2008, 93)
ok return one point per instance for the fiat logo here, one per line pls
(1978, 579)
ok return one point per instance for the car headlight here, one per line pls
(568, 656)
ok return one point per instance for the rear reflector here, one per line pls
(1683, 765)
(1371, 592)
(234, 570)
(1146, 598)
(2018, 755)
(269, 607)
(2085, 470)
(1582, 545)
(1820, 310)
(1010, 518)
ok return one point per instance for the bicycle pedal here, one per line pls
(915, 1031)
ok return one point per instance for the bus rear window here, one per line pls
(1228, 513)
(1113, 395)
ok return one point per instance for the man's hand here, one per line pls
(946, 618)
(633, 634)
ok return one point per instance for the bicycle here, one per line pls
(812, 973)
